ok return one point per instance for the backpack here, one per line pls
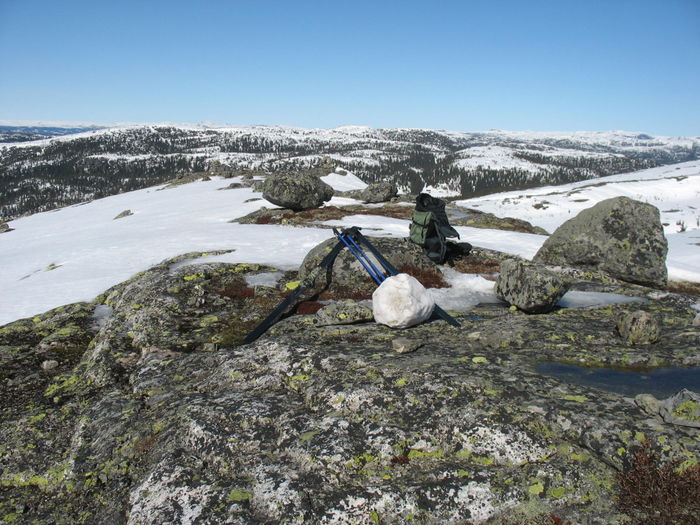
(430, 227)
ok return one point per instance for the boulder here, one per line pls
(683, 409)
(620, 236)
(379, 192)
(531, 287)
(401, 301)
(297, 191)
(639, 327)
(348, 278)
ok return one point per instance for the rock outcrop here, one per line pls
(530, 287)
(620, 236)
(296, 191)
(479, 219)
(156, 414)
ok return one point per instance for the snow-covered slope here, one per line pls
(673, 189)
(75, 253)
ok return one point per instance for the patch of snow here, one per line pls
(465, 292)
(101, 315)
(577, 299)
(344, 182)
(269, 279)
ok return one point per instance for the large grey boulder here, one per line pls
(620, 236)
(378, 192)
(347, 278)
(297, 191)
(530, 287)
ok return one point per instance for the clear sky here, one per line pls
(470, 65)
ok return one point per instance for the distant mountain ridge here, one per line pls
(37, 132)
(61, 166)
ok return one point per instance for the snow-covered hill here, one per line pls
(44, 174)
(75, 253)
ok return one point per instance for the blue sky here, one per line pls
(466, 65)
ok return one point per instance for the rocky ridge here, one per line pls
(143, 406)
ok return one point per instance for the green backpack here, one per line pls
(420, 226)
(430, 227)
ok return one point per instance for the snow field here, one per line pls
(75, 253)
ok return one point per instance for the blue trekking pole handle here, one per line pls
(341, 236)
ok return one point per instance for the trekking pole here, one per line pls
(355, 230)
(272, 318)
(353, 247)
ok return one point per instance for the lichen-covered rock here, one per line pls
(125, 213)
(682, 408)
(530, 287)
(620, 236)
(639, 327)
(378, 192)
(479, 219)
(296, 191)
(343, 312)
(405, 345)
(348, 278)
(648, 404)
(144, 422)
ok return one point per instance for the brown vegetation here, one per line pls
(428, 278)
(684, 287)
(238, 291)
(659, 494)
(330, 213)
(309, 307)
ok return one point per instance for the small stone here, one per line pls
(49, 364)
(404, 345)
(648, 404)
(696, 321)
(639, 327)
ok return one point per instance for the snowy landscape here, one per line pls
(66, 168)
(77, 252)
